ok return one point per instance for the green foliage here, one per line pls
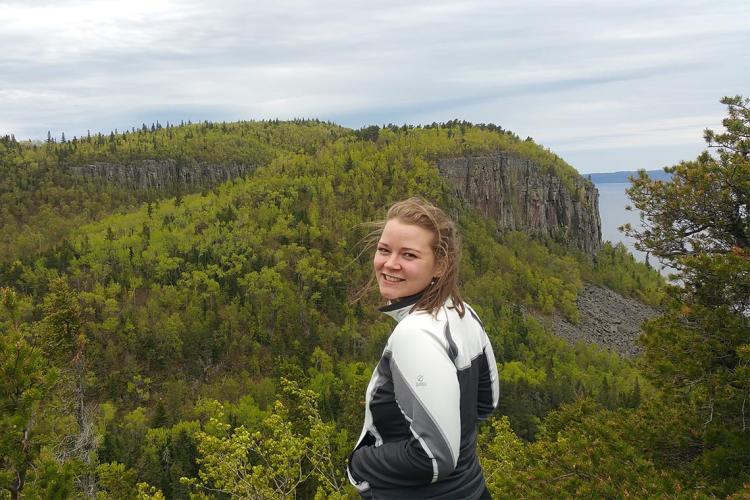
(698, 350)
(539, 372)
(520, 270)
(277, 459)
(167, 455)
(211, 339)
(43, 199)
(51, 479)
(584, 452)
(63, 336)
(616, 268)
(27, 381)
(116, 481)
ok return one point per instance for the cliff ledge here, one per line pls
(521, 196)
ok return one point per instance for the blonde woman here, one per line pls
(437, 376)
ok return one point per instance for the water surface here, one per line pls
(612, 202)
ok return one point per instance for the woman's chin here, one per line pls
(388, 293)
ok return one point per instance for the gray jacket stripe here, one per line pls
(381, 376)
(423, 425)
(429, 454)
(424, 445)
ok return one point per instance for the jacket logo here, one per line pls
(421, 382)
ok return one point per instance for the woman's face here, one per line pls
(404, 261)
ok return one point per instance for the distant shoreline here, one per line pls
(622, 177)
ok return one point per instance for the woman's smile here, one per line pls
(392, 279)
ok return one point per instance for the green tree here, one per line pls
(115, 480)
(698, 351)
(66, 343)
(292, 450)
(27, 381)
(582, 452)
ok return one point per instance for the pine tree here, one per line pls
(698, 351)
(28, 381)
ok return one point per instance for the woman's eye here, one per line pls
(382, 250)
(409, 255)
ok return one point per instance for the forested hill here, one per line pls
(48, 189)
(205, 345)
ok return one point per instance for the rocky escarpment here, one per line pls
(607, 319)
(521, 196)
(162, 174)
(513, 191)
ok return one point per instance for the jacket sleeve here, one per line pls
(488, 393)
(427, 391)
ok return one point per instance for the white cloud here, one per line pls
(706, 22)
(685, 130)
(54, 32)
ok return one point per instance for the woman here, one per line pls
(437, 375)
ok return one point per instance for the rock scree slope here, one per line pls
(607, 319)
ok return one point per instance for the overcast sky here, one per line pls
(607, 85)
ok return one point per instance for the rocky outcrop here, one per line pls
(607, 319)
(516, 193)
(162, 174)
(521, 196)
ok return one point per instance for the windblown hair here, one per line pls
(446, 246)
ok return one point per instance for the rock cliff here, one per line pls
(521, 196)
(515, 192)
(162, 175)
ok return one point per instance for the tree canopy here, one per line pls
(202, 344)
(699, 350)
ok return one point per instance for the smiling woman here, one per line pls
(417, 252)
(404, 261)
(437, 375)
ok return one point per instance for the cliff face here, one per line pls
(515, 192)
(161, 174)
(521, 196)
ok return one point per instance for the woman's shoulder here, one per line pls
(419, 326)
(419, 319)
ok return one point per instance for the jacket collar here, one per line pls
(400, 308)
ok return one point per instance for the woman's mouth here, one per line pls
(392, 279)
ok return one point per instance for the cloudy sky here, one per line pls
(608, 85)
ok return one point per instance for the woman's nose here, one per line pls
(392, 261)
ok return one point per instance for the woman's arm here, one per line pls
(427, 392)
(488, 393)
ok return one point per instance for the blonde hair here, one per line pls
(446, 247)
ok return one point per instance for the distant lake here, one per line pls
(612, 202)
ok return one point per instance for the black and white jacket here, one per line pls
(437, 377)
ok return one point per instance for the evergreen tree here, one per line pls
(699, 351)
(27, 381)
